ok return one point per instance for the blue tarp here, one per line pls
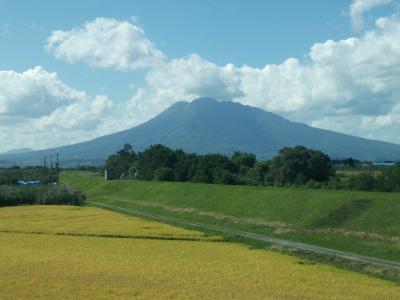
(29, 182)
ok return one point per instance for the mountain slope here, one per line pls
(206, 125)
(19, 151)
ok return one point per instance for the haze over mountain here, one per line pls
(208, 126)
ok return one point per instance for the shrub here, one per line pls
(363, 182)
(12, 195)
(312, 184)
(61, 195)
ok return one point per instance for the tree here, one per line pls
(394, 175)
(123, 161)
(243, 159)
(319, 166)
(243, 162)
(257, 174)
(389, 180)
(205, 168)
(363, 182)
(349, 162)
(164, 174)
(154, 157)
(298, 165)
(184, 168)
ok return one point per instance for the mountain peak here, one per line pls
(204, 100)
(197, 101)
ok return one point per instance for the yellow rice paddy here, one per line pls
(53, 266)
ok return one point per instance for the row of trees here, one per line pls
(10, 176)
(47, 192)
(41, 194)
(296, 165)
(388, 180)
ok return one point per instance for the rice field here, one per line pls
(88, 221)
(87, 253)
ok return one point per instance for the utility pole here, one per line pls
(57, 166)
(51, 168)
(57, 162)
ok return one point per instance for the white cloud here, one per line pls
(359, 7)
(106, 43)
(350, 85)
(354, 78)
(354, 75)
(38, 110)
(193, 76)
(33, 93)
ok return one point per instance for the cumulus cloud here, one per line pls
(354, 75)
(194, 76)
(359, 7)
(33, 93)
(106, 43)
(350, 85)
(38, 110)
(355, 78)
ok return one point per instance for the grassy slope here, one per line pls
(52, 266)
(302, 209)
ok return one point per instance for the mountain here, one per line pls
(208, 126)
(18, 151)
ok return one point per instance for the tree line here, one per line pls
(11, 195)
(46, 192)
(296, 165)
(387, 180)
(292, 166)
(10, 176)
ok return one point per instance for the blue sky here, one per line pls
(245, 51)
(239, 32)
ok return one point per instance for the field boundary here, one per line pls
(269, 239)
(118, 236)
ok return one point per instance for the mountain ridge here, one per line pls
(206, 125)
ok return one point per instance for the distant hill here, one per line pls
(18, 151)
(208, 126)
